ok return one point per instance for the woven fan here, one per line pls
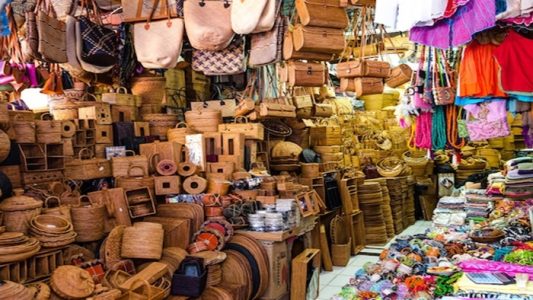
(338, 232)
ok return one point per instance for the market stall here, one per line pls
(239, 149)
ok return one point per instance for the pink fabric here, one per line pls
(521, 20)
(487, 120)
(479, 265)
(475, 16)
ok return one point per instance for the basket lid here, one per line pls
(20, 202)
(72, 282)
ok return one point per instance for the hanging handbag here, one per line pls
(488, 121)
(399, 75)
(142, 10)
(208, 24)
(443, 86)
(52, 36)
(245, 15)
(462, 130)
(158, 43)
(229, 61)
(266, 48)
(99, 46)
(318, 39)
(363, 68)
(302, 98)
(246, 103)
(72, 65)
(307, 74)
(362, 85)
(225, 106)
(268, 17)
(290, 53)
(322, 13)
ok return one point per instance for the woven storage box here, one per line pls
(143, 240)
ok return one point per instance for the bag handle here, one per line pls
(130, 151)
(180, 124)
(89, 151)
(52, 198)
(84, 197)
(131, 167)
(241, 120)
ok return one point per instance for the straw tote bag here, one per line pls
(208, 24)
(158, 43)
(141, 10)
(52, 39)
(245, 15)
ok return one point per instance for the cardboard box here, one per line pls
(278, 258)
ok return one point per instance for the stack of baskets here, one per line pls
(370, 201)
(418, 162)
(52, 230)
(386, 206)
(410, 204)
(15, 246)
(13, 290)
(469, 166)
(394, 186)
(19, 210)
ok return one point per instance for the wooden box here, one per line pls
(101, 113)
(305, 274)
(123, 113)
(141, 128)
(177, 231)
(104, 134)
(326, 136)
(41, 177)
(167, 185)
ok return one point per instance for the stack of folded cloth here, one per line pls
(478, 204)
(496, 183)
(519, 178)
(450, 211)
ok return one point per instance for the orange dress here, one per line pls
(478, 72)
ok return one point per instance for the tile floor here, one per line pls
(332, 282)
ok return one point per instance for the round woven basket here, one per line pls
(5, 146)
(88, 220)
(151, 89)
(19, 210)
(58, 209)
(143, 240)
(72, 282)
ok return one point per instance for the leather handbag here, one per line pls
(245, 15)
(290, 53)
(142, 10)
(363, 68)
(229, 61)
(399, 75)
(268, 17)
(318, 39)
(52, 37)
(266, 47)
(158, 43)
(322, 13)
(307, 74)
(208, 24)
(362, 85)
(99, 45)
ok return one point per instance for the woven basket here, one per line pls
(179, 132)
(143, 240)
(5, 146)
(48, 131)
(340, 253)
(204, 120)
(70, 282)
(19, 210)
(24, 131)
(131, 182)
(63, 109)
(161, 123)
(88, 220)
(58, 210)
(151, 89)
